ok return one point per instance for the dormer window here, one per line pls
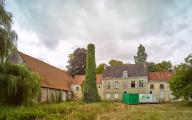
(125, 75)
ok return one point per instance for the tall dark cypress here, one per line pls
(90, 93)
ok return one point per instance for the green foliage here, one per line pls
(8, 37)
(188, 60)
(100, 69)
(58, 111)
(96, 111)
(141, 55)
(162, 67)
(115, 62)
(90, 93)
(150, 66)
(18, 85)
(77, 62)
(181, 82)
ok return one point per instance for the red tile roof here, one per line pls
(78, 79)
(51, 76)
(159, 76)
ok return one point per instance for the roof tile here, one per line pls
(78, 79)
(51, 76)
(160, 76)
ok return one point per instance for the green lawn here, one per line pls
(98, 111)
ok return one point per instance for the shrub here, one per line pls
(18, 85)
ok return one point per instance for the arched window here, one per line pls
(77, 88)
(161, 86)
(125, 75)
(151, 86)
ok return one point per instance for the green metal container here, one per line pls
(131, 98)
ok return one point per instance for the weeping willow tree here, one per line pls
(18, 86)
(8, 37)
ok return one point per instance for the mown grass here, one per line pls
(97, 111)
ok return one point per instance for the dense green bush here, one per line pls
(181, 82)
(18, 85)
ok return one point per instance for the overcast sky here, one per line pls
(50, 30)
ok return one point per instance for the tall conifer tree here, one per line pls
(90, 93)
(141, 55)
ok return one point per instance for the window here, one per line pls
(108, 96)
(116, 95)
(125, 75)
(141, 84)
(151, 92)
(132, 84)
(77, 88)
(116, 84)
(99, 86)
(161, 86)
(126, 84)
(152, 86)
(108, 85)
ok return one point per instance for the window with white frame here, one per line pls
(132, 84)
(125, 74)
(116, 84)
(126, 84)
(141, 84)
(108, 95)
(116, 95)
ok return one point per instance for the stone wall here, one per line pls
(114, 88)
(53, 95)
(77, 92)
(162, 94)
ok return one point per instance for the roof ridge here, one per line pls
(41, 61)
(126, 65)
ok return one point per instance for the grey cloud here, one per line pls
(117, 27)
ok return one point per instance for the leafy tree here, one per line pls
(18, 85)
(181, 82)
(163, 66)
(188, 60)
(100, 69)
(141, 55)
(115, 62)
(150, 66)
(77, 62)
(90, 93)
(8, 37)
